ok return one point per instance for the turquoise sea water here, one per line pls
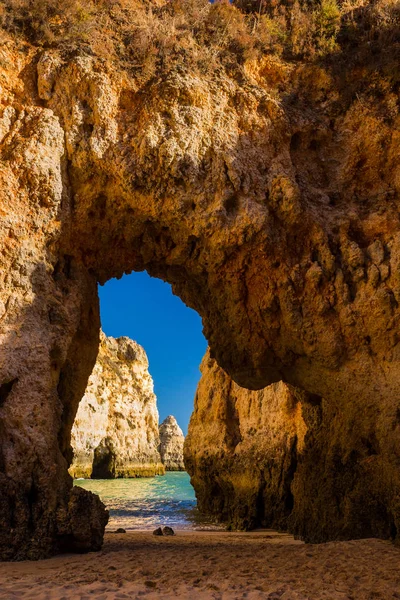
(147, 503)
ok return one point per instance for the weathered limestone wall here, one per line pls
(115, 432)
(257, 458)
(49, 331)
(269, 201)
(242, 449)
(171, 444)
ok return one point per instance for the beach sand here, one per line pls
(196, 565)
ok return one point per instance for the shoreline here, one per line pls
(138, 504)
(211, 564)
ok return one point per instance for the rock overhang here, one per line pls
(264, 229)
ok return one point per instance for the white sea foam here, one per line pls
(146, 503)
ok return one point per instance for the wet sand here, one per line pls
(220, 565)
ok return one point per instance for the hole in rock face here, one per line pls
(5, 389)
(145, 310)
(104, 461)
(231, 204)
(295, 141)
(313, 399)
(63, 268)
(117, 438)
(371, 445)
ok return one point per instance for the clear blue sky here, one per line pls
(145, 309)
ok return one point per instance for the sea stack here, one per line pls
(171, 444)
(115, 433)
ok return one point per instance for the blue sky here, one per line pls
(144, 309)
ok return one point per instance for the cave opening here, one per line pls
(128, 432)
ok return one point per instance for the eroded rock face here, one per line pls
(115, 433)
(242, 449)
(270, 203)
(271, 457)
(171, 444)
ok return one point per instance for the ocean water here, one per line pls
(147, 503)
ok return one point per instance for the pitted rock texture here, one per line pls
(171, 444)
(115, 433)
(269, 201)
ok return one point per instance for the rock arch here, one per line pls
(260, 214)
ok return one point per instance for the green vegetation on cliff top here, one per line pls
(148, 37)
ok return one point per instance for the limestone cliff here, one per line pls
(243, 449)
(264, 187)
(171, 444)
(257, 458)
(115, 433)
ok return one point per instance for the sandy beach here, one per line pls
(219, 565)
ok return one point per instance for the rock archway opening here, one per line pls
(131, 422)
(268, 198)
